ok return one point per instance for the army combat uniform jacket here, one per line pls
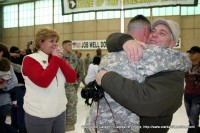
(154, 60)
(154, 101)
(72, 60)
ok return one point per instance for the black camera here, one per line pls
(92, 90)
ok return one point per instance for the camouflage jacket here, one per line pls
(72, 60)
(154, 60)
(80, 70)
(87, 62)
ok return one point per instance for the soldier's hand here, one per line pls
(134, 49)
(99, 76)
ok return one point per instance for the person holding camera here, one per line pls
(149, 99)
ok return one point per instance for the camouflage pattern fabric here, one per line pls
(87, 62)
(70, 89)
(72, 98)
(126, 121)
(80, 71)
(154, 60)
(71, 59)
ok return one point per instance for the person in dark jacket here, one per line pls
(192, 90)
(155, 100)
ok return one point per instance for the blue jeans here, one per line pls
(192, 105)
(17, 114)
(5, 128)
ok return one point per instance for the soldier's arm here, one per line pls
(80, 70)
(120, 41)
(75, 62)
(159, 95)
(115, 41)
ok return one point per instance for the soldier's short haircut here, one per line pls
(138, 21)
(66, 41)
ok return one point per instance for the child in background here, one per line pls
(5, 76)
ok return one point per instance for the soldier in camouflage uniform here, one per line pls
(87, 62)
(70, 88)
(80, 70)
(154, 60)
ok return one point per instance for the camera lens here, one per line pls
(87, 93)
(84, 93)
(92, 90)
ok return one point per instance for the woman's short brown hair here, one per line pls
(44, 34)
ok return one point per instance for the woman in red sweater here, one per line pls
(45, 73)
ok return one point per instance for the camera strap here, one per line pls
(110, 111)
(95, 122)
